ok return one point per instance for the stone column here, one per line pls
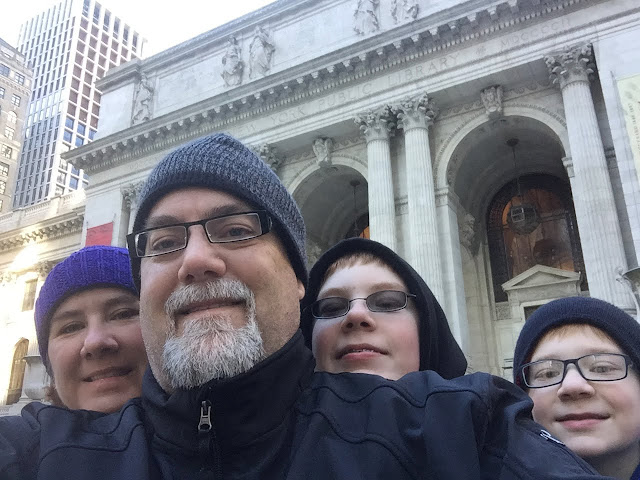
(415, 116)
(595, 207)
(130, 196)
(454, 301)
(376, 128)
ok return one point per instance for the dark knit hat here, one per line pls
(620, 326)
(221, 162)
(90, 267)
(439, 350)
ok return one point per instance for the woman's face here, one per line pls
(96, 351)
(380, 343)
(595, 419)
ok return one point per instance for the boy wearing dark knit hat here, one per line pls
(217, 252)
(578, 358)
(88, 330)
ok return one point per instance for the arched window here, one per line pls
(12, 117)
(554, 242)
(17, 371)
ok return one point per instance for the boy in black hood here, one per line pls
(438, 350)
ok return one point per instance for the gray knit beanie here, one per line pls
(221, 162)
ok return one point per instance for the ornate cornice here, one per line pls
(389, 50)
(55, 230)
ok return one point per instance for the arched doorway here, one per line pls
(554, 242)
(17, 371)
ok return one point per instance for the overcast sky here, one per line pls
(164, 25)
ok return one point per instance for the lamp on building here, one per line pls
(522, 217)
(355, 183)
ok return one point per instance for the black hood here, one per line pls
(439, 350)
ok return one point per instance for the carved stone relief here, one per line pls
(377, 125)
(142, 104)
(418, 112)
(467, 229)
(573, 64)
(43, 268)
(365, 17)
(322, 147)
(261, 51)
(404, 10)
(492, 100)
(269, 155)
(232, 64)
(130, 194)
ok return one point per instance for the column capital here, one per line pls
(44, 267)
(269, 155)
(572, 65)
(130, 194)
(417, 112)
(377, 125)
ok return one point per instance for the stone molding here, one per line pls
(180, 126)
(43, 234)
(575, 64)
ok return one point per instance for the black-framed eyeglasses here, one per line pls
(382, 301)
(597, 367)
(234, 227)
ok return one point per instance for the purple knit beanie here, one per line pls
(90, 267)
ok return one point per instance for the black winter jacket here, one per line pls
(282, 421)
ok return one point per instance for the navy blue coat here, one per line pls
(282, 421)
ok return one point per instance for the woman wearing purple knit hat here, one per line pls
(88, 330)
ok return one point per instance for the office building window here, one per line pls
(12, 118)
(15, 100)
(3, 187)
(1, 92)
(19, 78)
(4, 169)
(6, 151)
(4, 70)
(66, 136)
(9, 132)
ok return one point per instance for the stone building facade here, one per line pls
(490, 143)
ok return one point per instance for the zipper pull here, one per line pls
(204, 426)
(547, 436)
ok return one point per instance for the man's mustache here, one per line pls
(220, 289)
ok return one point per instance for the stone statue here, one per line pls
(260, 53)
(322, 148)
(142, 101)
(365, 17)
(492, 100)
(467, 232)
(404, 10)
(232, 64)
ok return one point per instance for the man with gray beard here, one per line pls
(210, 346)
(217, 253)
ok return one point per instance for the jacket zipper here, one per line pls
(547, 436)
(207, 444)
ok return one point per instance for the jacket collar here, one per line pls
(242, 407)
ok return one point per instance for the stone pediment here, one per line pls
(541, 275)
